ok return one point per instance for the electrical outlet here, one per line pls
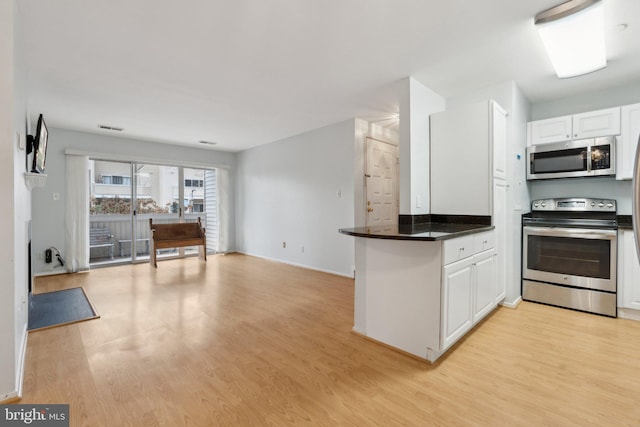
(48, 256)
(284, 245)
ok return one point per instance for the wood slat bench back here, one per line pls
(177, 235)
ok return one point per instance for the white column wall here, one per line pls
(417, 102)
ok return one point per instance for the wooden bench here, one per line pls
(101, 238)
(177, 235)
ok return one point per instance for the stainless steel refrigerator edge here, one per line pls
(635, 204)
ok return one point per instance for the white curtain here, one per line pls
(222, 176)
(77, 214)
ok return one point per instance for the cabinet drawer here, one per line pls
(483, 241)
(457, 249)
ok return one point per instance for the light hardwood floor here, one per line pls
(243, 341)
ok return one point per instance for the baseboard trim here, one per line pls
(16, 395)
(628, 313)
(513, 304)
(295, 264)
(390, 347)
(23, 357)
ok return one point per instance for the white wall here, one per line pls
(15, 212)
(287, 191)
(417, 102)
(587, 187)
(49, 215)
(588, 101)
(602, 187)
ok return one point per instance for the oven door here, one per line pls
(582, 258)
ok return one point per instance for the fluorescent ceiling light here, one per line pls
(573, 34)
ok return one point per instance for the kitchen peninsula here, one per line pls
(420, 287)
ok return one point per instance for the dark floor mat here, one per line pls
(59, 308)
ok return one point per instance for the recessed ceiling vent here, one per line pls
(207, 142)
(114, 128)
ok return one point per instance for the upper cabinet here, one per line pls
(549, 130)
(578, 126)
(628, 141)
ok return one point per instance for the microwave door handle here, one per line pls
(589, 158)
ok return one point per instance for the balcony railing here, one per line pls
(120, 227)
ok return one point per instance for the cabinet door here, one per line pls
(501, 224)
(628, 141)
(549, 130)
(629, 271)
(457, 298)
(499, 141)
(596, 123)
(485, 284)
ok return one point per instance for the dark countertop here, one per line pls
(430, 231)
(625, 222)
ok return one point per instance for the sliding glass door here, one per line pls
(157, 193)
(109, 211)
(125, 196)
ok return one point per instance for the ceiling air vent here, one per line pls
(114, 128)
(207, 142)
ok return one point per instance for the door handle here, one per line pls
(369, 209)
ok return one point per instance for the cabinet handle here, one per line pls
(568, 136)
(576, 135)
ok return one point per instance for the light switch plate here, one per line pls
(22, 141)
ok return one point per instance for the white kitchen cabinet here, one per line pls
(596, 123)
(628, 141)
(628, 272)
(468, 288)
(485, 284)
(592, 124)
(550, 130)
(463, 161)
(457, 299)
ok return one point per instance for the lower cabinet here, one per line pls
(457, 300)
(468, 294)
(628, 271)
(485, 284)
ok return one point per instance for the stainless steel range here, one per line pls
(569, 254)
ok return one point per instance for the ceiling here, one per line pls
(247, 72)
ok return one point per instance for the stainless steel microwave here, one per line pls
(583, 157)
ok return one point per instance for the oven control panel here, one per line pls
(574, 204)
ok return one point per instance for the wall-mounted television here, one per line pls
(38, 144)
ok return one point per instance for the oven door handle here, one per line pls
(572, 232)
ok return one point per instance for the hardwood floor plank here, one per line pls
(243, 341)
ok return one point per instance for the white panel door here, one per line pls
(628, 141)
(500, 222)
(629, 274)
(485, 284)
(382, 183)
(457, 299)
(499, 140)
